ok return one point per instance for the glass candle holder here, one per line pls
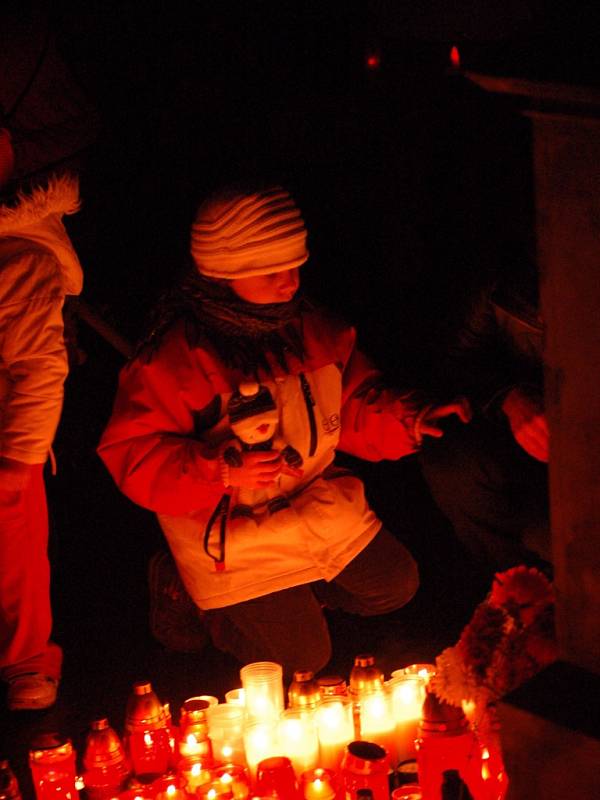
(226, 733)
(171, 792)
(193, 728)
(235, 697)
(262, 682)
(423, 671)
(193, 773)
(276, 777)
(377, 723)
(298, 739)
(410, 791)
(52, 763)
(318, 784)
(365, 766)
(446, 743)
(209, 698)
(147, 738)
(137, 794)
(407, 697)
(236, 778)
(104, 762)
(213, 790)
(260, 743)
(335, 729)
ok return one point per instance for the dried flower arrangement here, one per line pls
(508, 640)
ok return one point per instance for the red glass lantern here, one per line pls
(447, 743)
(52, 762)
(147, 737)
(276, 777)
(365, 765)
(104, 761)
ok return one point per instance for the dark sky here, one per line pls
(408, 177)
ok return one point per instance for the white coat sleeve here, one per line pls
(33, 356)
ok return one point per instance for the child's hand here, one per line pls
(258, 469)
(426, 424)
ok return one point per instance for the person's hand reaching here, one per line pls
(427, 422)
(525, 413)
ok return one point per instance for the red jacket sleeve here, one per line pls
(149, 445)
(376, 422)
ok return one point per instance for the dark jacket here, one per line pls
(499, 346)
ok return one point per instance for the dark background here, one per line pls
(414, 185)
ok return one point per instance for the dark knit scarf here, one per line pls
(240, 332)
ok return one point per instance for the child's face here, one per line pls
(277, 287)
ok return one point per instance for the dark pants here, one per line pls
(289, 627)
(493, 493)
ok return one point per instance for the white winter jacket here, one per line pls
(38, 267)
(169, 425)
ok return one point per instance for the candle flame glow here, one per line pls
(196, 770)
(227, 751)
(226, 778)
(171, 789)
(455, 57)
(148, 741)
(191, 739)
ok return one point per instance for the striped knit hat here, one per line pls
(248, 234)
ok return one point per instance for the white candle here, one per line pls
(423, 671)
(407, 697)
(260, 741)
(235, 697)
(335, 728)
(377, 723)
(263, 690)
(298, 740)
(225, 730)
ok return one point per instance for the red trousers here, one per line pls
(25, 613)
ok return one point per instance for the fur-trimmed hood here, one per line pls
(37, 216)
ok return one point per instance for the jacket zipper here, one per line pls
(310, 404)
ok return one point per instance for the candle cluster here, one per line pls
(330, 741)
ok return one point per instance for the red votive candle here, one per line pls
(276, 776)
(52, 762)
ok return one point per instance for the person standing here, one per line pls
(38, 268)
